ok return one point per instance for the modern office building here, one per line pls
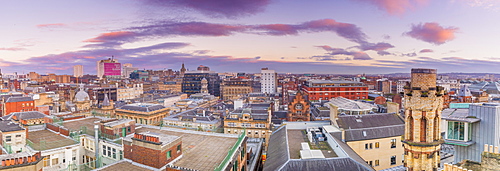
(191, 82)
(268, 81)
(78, 70)
(109, 67)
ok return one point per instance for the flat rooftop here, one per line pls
(77, 124)
(45, 139)
(123, 165)
(296, 137)
(201, 151)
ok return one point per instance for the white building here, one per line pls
(268, 81)
(100, 66)
(125, 93)
(78, 70)
(400, 85)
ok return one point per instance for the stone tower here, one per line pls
(423, 105)
(204, 86)
(183, 69)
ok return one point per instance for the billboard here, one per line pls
(112, 69)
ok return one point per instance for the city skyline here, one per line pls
(347, 36)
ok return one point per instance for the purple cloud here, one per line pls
(218, 9)
(432, 33)
(170, 29)
(426, 51)
(332, 52)
(396, 7)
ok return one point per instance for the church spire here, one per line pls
(183, 69)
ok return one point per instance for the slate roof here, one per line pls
(331, 164)
(373, 126)
(142, 107)
(278, 158)
(347, 104)
(9, 126)
(277, 154)
(25, 115)
(320, 112)
(458, 115)
(280, 114)
(19, 99)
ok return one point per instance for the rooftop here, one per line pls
(461, 115)
(207, 149)
(142, 107)
(351, 105)
(24, 115)
(19, 99)
(74, 125)
(9, 126)
(125, 165)
(296, 137)
(45, 139)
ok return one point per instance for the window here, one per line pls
(178, 148)
(245, 124)
(377, 162)
(8, 138)
(457, 131)
(393, 160)
(393, 143)
(114, 153)
(18, 136)
(103, 150)
(128, 129)
(371, 145)
(370, 163)
(377, 145)
(231, 124)
(169, 154)
(46, 161)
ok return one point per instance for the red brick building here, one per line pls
(152, 149)
(18, 104)
(299, 109)
(290, 85)
(327, 89)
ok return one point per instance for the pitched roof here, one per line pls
(347, 104)
(374, 126)
(19, 99)
(24, 115)
(277, 155)
(143, 107)
(332, 164)
(8, 126)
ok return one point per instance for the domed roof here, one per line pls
(82, 95)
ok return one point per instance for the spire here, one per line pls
(105, 102)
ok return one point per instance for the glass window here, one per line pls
(393, 143)
(456, 131)
(377, 162)
(377, 145)
(366, 146)
(8, 138)
(169, 154)
(393, 160)
(178, 148)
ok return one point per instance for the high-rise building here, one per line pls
(192, 81)
(108, 67)
(423, 106)
(127, 70)
(78, 70)
(268, 81)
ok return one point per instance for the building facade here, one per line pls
(318, 90)
(143, 113)
(423, 107)
(191, 82)
(299, 109)
(268, 81)
(108, 67)
(235, 88)
(78, 70)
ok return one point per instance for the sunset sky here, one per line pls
(289, 36)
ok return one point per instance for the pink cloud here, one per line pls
(426, 51)
(396, 7)
(13, 49)
(115, 36)
(52, 25)
(432, 33)
(333, 52)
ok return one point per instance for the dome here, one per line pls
(82, 95)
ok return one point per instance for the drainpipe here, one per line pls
(96, 129)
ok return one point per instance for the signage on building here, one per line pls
(112, 69)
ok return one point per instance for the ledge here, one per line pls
(460, 143)
(424, 144)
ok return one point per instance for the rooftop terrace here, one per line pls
(296, 137)
(45, 139)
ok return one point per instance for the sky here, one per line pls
(289, 36)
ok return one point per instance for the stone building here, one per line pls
(143, 113)
(423, 106)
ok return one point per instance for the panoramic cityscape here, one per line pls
(235, 85)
